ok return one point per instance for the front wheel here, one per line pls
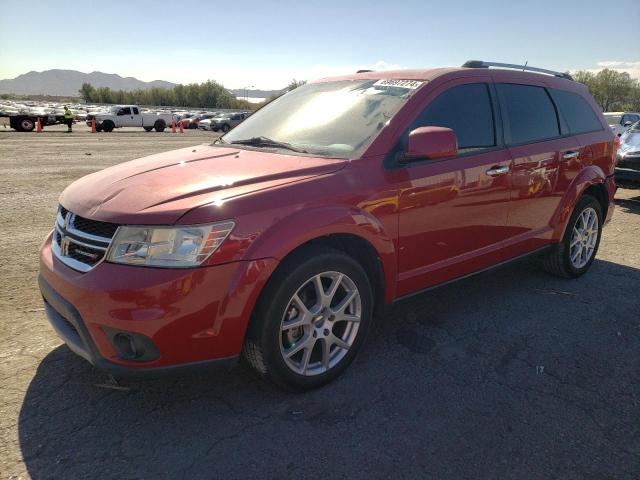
(226, 127)
(574, 255)
(147, 129)
(311, 319)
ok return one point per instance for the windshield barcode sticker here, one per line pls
(410, 84)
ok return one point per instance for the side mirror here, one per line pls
(432, 143)
(627, 124)
(120, 113)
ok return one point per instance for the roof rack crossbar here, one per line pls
(483, 64)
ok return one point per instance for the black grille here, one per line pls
(63, 211)
(86, 255)
(93, 227)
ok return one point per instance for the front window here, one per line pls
(613, 120)
(333, 119)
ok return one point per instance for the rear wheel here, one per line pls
(108, 126)
(27, 124)
(311, 319)
(159, 125)
(574, 255)
(147, 129)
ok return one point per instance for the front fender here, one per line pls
(302, 226)
(591, 175)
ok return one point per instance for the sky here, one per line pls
(265, 43)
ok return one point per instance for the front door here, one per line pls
(453, 213)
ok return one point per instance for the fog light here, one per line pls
(132, 346)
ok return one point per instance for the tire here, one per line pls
(559, 261)
(159, 125)
(294, 357)
(98, 127)
(214, 129)
(108, 126)
(147, 129)
(226, 127)
(27, 124)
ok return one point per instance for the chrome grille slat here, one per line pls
(76, 244)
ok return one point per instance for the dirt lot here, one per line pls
(511, 374)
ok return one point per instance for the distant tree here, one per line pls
(295, 84)
(611, 89)
(209, 94)
(87, 92)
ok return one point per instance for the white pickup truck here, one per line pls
(129, 116)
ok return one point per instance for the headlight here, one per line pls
(168, 246)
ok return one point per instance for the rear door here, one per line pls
(540, 154)
(136, 117)
(453, 212)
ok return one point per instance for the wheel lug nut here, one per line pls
(326, 332)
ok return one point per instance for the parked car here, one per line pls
(628, 164)
(129, 116)
(620, 121)
(196, 119)
(227, 122)
(281, 239)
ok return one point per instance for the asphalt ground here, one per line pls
(509, 374)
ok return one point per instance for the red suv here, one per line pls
(281, 239)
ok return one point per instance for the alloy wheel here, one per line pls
(584, 238)
(320, 323)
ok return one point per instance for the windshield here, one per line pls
(613, 119)
(334, 119)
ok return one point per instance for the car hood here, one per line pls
(161, 188)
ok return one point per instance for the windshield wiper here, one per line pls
(267, 142)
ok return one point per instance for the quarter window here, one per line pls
(576, 111)
(530, 114)
(465, 109)
(135, 111)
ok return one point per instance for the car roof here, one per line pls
(431, 74)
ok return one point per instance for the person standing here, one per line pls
(68, 118)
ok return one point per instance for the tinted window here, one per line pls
(465, 109)
(126, 111)
(530, 114)
(576, 111)
(135, 111)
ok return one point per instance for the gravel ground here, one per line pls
(510, 374)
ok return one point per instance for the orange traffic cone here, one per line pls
(181, 129)
(173, 127)
(93, 125)
(38, 126)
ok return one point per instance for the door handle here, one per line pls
(570, 155)
(497, 171)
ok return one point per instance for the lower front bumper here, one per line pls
(70, 326)
(625, 174)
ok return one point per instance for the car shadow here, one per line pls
(479, 378)
(630, 204)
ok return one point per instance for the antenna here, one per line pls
(524, 67)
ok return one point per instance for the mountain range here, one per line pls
(68, 82)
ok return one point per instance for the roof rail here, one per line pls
(364, 71)
(483, 64)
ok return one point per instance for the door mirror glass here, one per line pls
(432, 143)
(628, 124)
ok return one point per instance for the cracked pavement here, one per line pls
(509, 374)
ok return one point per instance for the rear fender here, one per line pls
(591, 175)
(303, 226)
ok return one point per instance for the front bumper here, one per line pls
(628, 168)
(184, 318)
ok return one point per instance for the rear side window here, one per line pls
(135, 111)
(531, 116)
(576, 111)
(465, 109)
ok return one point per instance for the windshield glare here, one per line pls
(333, 119)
